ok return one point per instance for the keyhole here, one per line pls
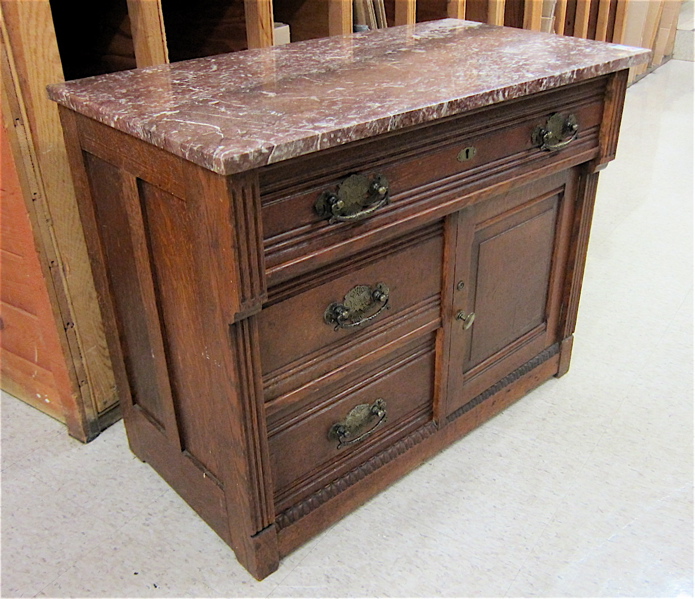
(467, 154)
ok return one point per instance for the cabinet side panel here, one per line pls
(107, 184)
(169, 224)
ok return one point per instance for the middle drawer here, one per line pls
(318, 325)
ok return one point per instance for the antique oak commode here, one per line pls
(322, 263)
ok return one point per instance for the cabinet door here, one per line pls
(511, 252)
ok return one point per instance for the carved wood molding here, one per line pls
(244, 336)
(504, 382)
(310, 503)
(248, 248)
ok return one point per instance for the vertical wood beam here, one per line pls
(495, 12)
(604, 9)
(149, 37)
(405, 12)
(259, 23)
(560, 16)
(619, 28)
(581, 22)
(456, 9)
(37, 65)
(533, 11)
(340, 17)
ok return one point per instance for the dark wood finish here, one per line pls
(511, 255)
(424, 174)
(215, 288)
(305, 459)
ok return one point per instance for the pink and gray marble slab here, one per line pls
(239, 111)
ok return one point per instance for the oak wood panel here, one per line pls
(295, 328)
(511, 305)
(140, 160)
(305, 458)
(327, 506)
(142, 355)
(518, 308)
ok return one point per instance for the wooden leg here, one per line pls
(565, 355)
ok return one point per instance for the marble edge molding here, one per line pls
(234, 155)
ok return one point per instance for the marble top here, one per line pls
(234, 112)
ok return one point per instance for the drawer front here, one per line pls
(351, 419)
(397, 286)
(420, 167)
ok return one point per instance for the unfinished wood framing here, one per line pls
(495, 11)
(147, 27)
(581, 21)
(340, 17)
(456, 9)
(259, 23)
(560, 15)
(619, 29)
(604, 9)
(405, 12)
(533, 11)
(27, 68)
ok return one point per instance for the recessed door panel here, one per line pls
(510, 254)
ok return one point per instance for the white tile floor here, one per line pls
(583, 489)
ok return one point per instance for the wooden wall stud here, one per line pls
(260, 28)
(533, 11)
(149, 37)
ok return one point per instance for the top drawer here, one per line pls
(425, 168)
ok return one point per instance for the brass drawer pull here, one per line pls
(359, 417)
(358, 301)
(356, 198)
(559, 132)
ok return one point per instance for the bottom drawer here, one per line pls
(351, 421)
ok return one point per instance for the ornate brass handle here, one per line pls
(359, 301)
(559, 132)
(356, 198)
(359, 417)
